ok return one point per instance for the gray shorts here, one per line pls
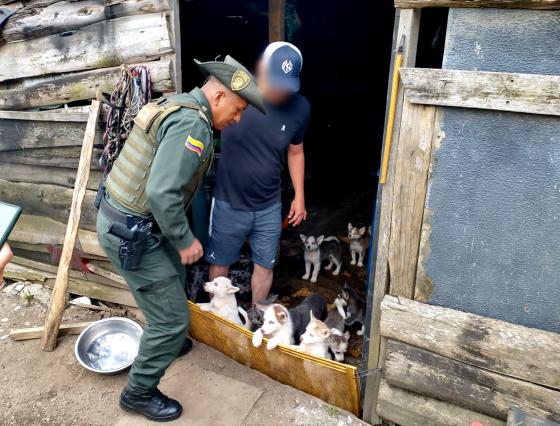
(230, 228)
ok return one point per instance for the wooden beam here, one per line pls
(176, 34)
(107, 274)
(461, 384)
(60, 290)
(37, 18)
(99, 308)
(411, 409)
(51, 201)
(518, 417)
(526, 93)
(68, 156)
(37, 332)
(512, 350)
(406, 34)
(276, 20)
(38, 230)
(409, 196)
(509, 4)
(19, 134)
(61, 176)
(138, 38)
(70, 87)
(97, 291)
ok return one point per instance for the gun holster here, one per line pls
(133, 241)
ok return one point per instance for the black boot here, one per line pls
(187, 347)
(154, 405)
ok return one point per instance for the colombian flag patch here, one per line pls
(194, 145)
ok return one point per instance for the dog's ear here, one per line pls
(311, 316)
(349, 226)
(362, 230)
(347, 335)
(232, 289)
(325, 332)
(282, 317)
(320, 239)
(303, 237)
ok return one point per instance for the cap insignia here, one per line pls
(240, 80)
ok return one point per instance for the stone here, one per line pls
(40, 293)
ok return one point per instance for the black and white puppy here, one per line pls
(285, 326)
(359, 243)
(256, 312)
(338, 339)
(355, 309)
(316, 251)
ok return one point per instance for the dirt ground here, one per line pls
(40, 388)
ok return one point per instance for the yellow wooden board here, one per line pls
(331, 381)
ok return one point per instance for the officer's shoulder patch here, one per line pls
(194, 145)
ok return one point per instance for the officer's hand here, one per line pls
(192, 253)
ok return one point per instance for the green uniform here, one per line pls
(159, 185)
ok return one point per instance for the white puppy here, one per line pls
(315, 340)
(277, 328)
(224, 302)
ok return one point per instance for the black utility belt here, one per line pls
(133, 231)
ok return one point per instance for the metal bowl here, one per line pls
(108, 346)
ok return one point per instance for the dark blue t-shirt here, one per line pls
(254, 152)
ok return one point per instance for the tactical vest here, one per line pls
(127, 180)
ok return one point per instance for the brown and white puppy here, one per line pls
(224, 302)
(315, 340)
(277, 328)
(359, 243)
(285, 326)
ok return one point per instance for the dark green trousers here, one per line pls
(159, 290)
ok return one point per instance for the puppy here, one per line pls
(338, 343)
(283, 326)
(318, 250)
(224, 302)
(338, 339)
(359, 243)
(355, 308)
(315, 340)
(256, 312)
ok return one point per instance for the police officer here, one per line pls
(142, 223)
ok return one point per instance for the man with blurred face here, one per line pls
(142, 223)
(247, 197)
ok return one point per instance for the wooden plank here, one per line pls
(510, 4)
(14, 271)
(70, 87)
(61, 176)
(411, 409)
(99, 308)
(176, 34)
(138, 38)
(407, 33)
(28, 134)
(276, 20)
(526, 93)
(517, 417)
(328, 380)
(36, 332)
(107, 274)
(54, 157)
(36, 231)
(508, 349)
(409, 196)
(36, 266)
(47, 200)
(474, 388)
(60, 289)
(38, 18)
(97, 291)
(64, 115)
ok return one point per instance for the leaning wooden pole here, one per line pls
(60, 289)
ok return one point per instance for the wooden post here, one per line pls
(408, 26)
(276, 20)
(58, 299)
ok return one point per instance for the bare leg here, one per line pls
(261, 281)
(215, 271)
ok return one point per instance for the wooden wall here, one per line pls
(56, 52)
